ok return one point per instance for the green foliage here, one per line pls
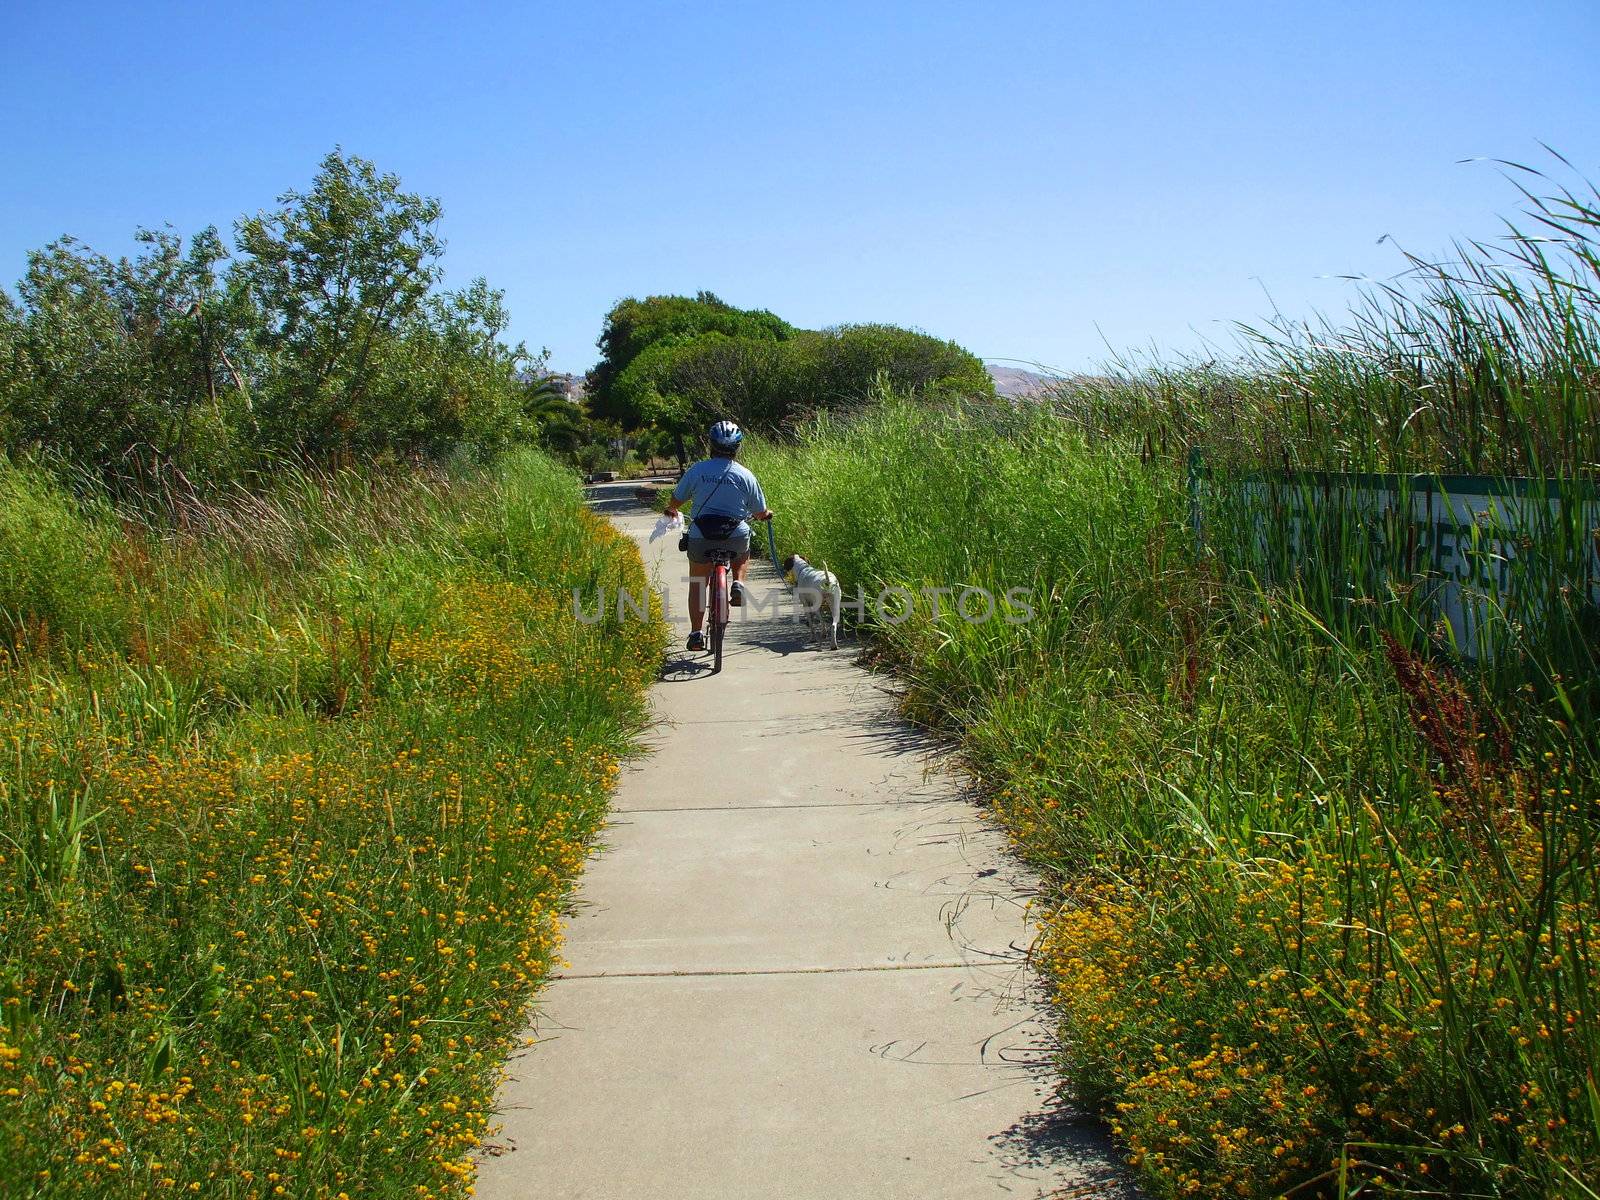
(838, 368)
(56, 564)
(632, 326)
(335, 273)
(283, 854)
(79, 381)
(1483, 364)
(558, 424)
(683, 381)
(1301, 868)
(326, 337)
(676, 364)
(1296, 877)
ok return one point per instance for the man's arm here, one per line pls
(760, 498)
(678, 499)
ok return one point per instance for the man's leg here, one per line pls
(697, 592)
(739, 564)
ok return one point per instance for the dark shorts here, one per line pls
(699, 548)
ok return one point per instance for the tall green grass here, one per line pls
(1322, 884)
(1321, 906)
(1473, 375)
(292, 786)
(55, 562)
(1481, 363)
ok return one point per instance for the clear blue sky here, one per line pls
(1010, 175)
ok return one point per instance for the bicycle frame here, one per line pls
(718, 584)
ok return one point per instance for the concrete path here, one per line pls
(796, 969)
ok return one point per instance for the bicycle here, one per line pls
(717, 601)
(718, 593)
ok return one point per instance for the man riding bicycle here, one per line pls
(722, 496)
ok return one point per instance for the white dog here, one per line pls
(815, 589)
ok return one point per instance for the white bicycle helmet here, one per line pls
(725, 435)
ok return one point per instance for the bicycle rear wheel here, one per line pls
(719, 614)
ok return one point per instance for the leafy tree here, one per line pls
(190, 328)
(633, 326)
(336, 273)
(561, 425)
(651, 444)
(15, 368)
(676, 363)
(643, 393)
(326, 335)
(105, 362)
(80, 385)
(441, 381)
(839, 367)
(681, 383)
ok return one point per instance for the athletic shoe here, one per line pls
(736, 594)
(697, 640)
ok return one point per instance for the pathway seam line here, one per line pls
(933, 966)
(785, 807)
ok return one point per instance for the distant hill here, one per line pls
(1015, 382)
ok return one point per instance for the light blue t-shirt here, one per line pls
(738, 496)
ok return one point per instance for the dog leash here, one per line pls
(772, 542)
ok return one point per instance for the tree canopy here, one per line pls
(325, 333)
(634, 326)
(322, 331)
(675, 363)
